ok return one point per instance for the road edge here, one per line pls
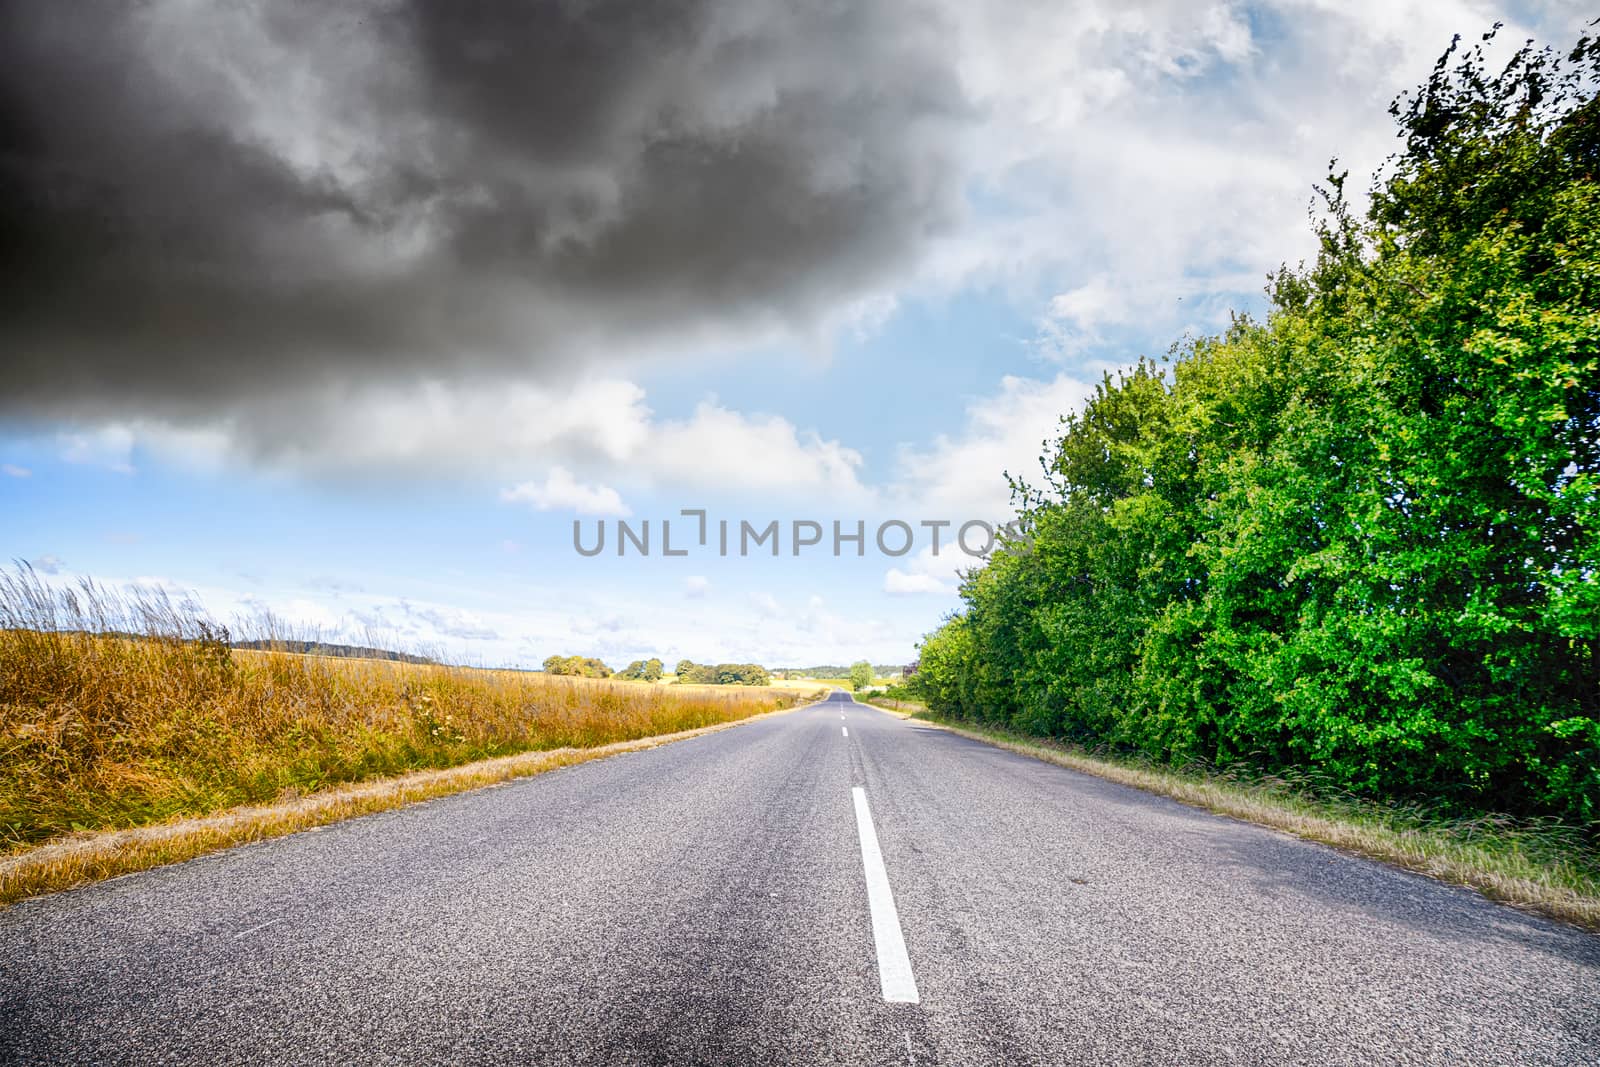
(100, 855)
(1405, 851)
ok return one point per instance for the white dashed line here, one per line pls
(894, 966)
(253, 929)
(846, 730)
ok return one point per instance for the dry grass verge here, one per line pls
(90, 857)
(127, 711)
(903, 708)
(1535, 867)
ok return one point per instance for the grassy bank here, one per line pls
(80, 858)
(1541, 866)
(119, 712)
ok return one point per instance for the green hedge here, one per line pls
(1357, 538)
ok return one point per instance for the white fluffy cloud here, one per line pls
(561, 491)
(595, 431)
(1150, 162)
(961, 475)
(725, 449)
(902, 583)
(110, 447)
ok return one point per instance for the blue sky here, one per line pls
(1109, 177)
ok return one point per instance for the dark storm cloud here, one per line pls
(201, 204)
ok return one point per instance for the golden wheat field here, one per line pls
(121, 710)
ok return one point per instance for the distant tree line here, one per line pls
(328, 648)
(722, 673)
(835, 670)
(652, 670)
(642, 670)
(578, 666)
(1361, 538)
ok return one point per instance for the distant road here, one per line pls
(721, 900)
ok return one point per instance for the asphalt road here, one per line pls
(711, 901)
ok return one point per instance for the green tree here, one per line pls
(860, 675)
(578, 666)
(1359, 535)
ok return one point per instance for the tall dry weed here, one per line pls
(120, 708)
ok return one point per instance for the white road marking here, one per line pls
(253, 929)
(894, 966)
(846, 730)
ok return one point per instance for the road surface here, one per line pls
(833, 885)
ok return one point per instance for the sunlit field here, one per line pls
(121, 710)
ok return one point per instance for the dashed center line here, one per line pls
(253, 929)
(894, 966)
(846, 730)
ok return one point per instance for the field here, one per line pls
(809, 683)
(121, 711)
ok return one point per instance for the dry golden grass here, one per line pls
(81, 858)
(119, 712)
(1539, 869)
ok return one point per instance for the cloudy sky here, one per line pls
(349, 315)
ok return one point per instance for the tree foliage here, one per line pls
(860, 675)
(578, 666)
(642, 670)
(1358, 537)
(722, 673)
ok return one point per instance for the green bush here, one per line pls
(1358, 537)
(577, 666)
(722, 673)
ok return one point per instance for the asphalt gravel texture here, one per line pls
(705, 902)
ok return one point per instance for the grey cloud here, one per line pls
(410, 622)
(448, 623)
(203, 207)
(333, 586)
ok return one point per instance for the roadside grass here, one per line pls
(126, 710)
(80, 858)
(1540, 866)
(899, 705)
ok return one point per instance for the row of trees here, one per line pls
(722, 673)
(834, 670)
(1358, 538)
(642, 670)
(651, 670)
(578, 666)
